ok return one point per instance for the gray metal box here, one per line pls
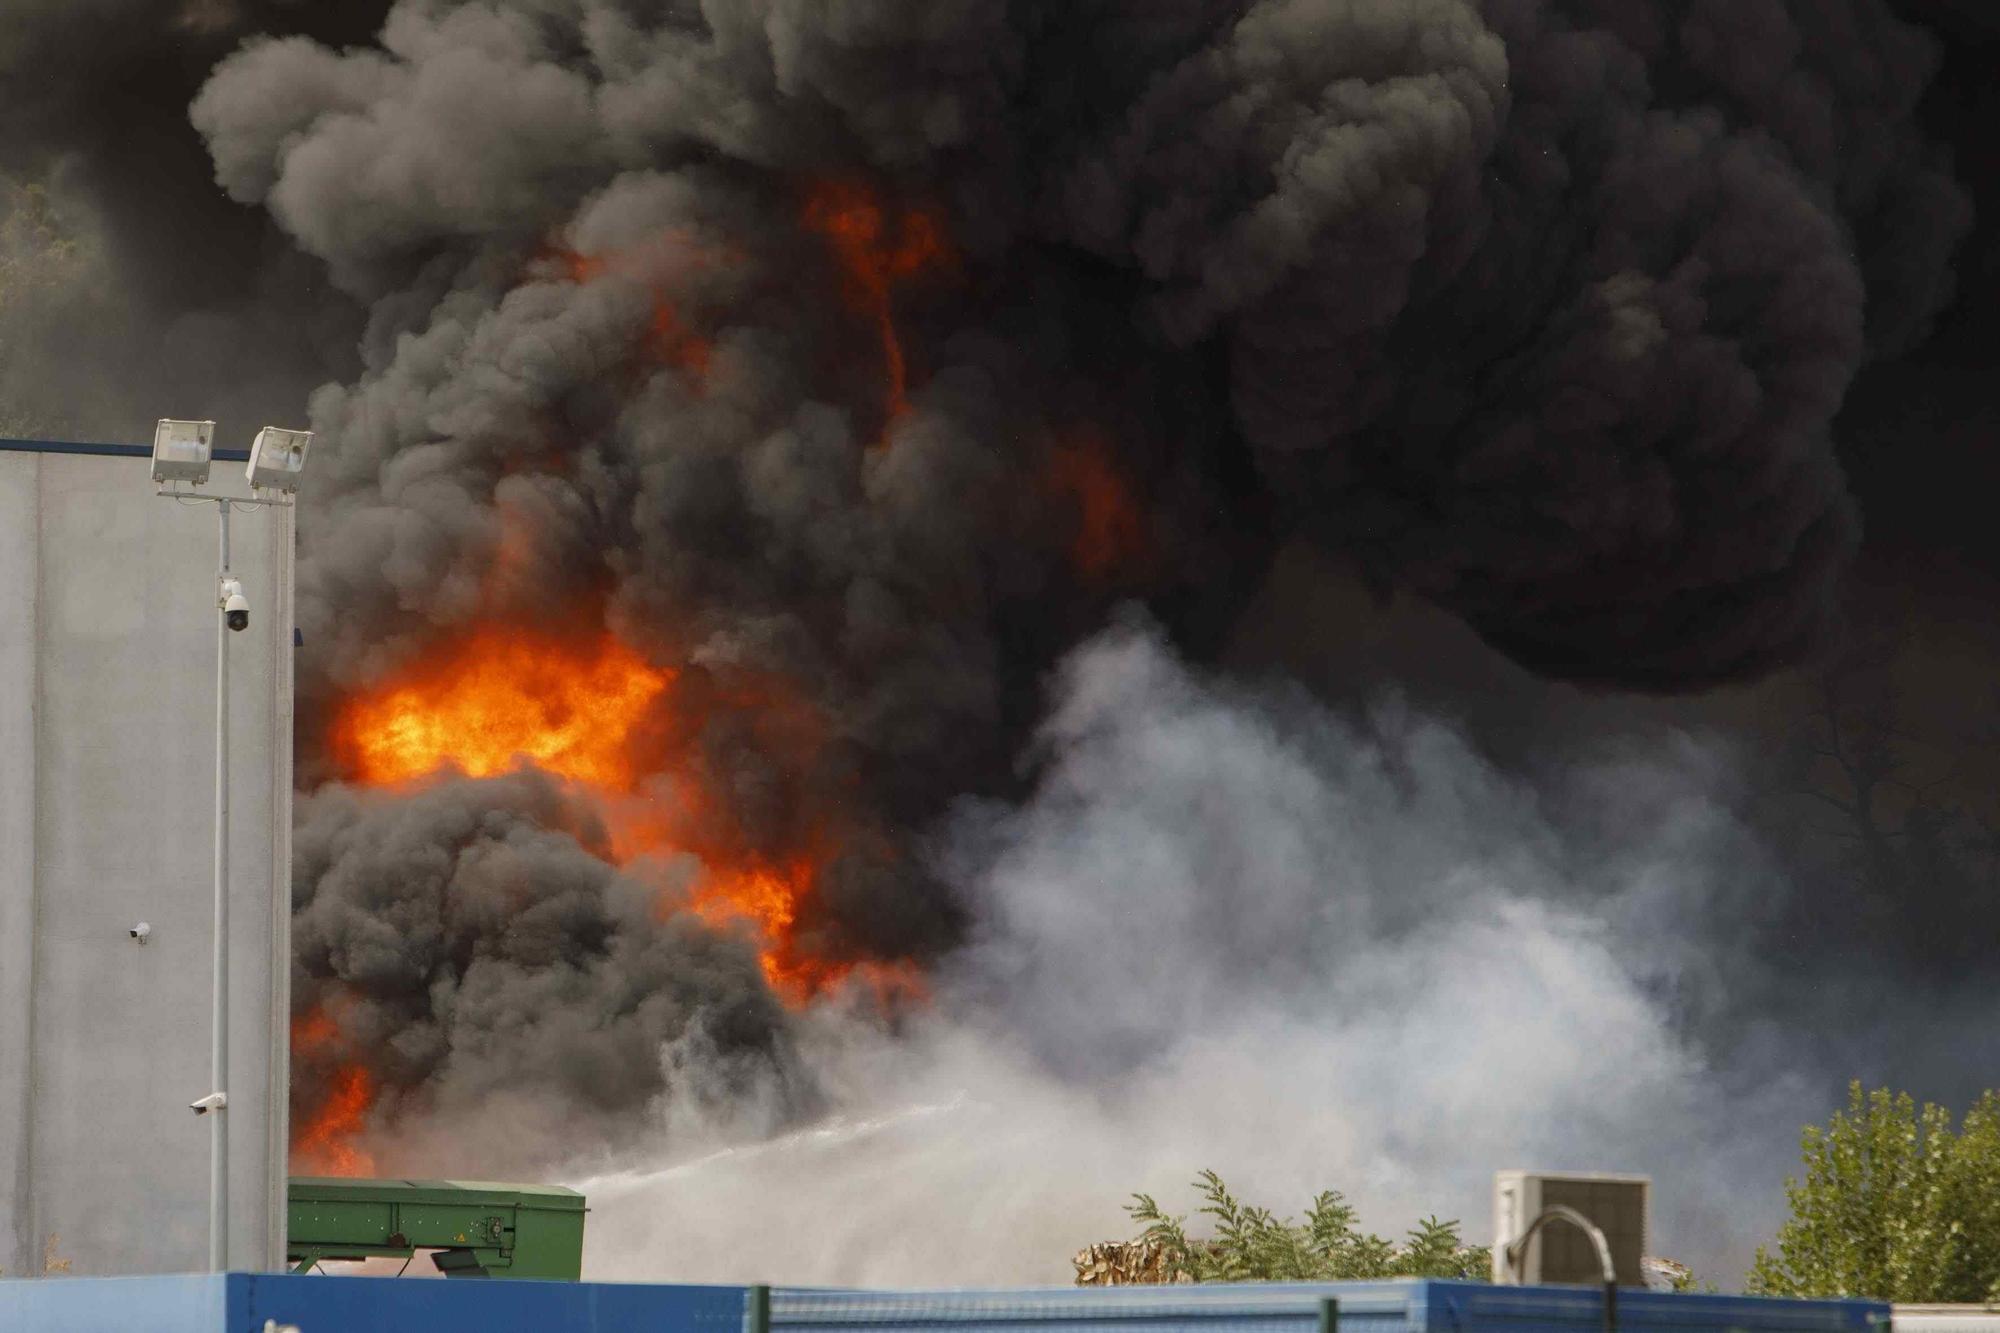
(1620, 1205)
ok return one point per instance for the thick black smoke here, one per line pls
(466, 942)
(1539, 309)
(130, 287)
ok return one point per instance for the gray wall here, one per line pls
(107, 702)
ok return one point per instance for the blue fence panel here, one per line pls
(1476, 1307)
(13, 446)
(126, 1304)
(245, 1302)
(1378, 1307)
(1364, 1307)
(391, 1305)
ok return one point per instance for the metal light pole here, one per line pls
(181, 453)
(218, 1055)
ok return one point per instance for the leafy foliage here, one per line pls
(1894, 1205)
(1252, 1244)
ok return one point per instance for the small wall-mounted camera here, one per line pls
(215, 1101)
(141, 932)
(235, 606)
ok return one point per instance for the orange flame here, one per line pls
(324, 1144)
(675, 345)
(594, 712)
(598, 714)
(668, 339)
(314, 1031)
(1110, 527)
(323, 1141)
(874, 252)
(502, 697)
(767, 899)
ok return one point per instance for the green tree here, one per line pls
(1252, 1244)
(1973, 1199)
(1894, 1205)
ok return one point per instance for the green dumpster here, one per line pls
(477, 1228)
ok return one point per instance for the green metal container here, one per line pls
(479, 1229)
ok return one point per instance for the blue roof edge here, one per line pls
(10, 446)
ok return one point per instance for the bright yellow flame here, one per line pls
(501, 697)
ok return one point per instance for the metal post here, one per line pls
(758, 1314)
(218, 1167)
(1515, 1254)
(1329, 1314)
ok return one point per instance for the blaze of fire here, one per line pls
(767, 898)
(875, 250)
(737, 889)
(499, 697)
(324, 1144)
(675, 345)
(667, 339)
(314, 1031)
(1110, 528)
(582, 269)
(323, 1140)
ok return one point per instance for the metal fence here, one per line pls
(253, 1303)
(1417, 1306)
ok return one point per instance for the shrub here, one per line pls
(1894, 1205)
(1252, 1244)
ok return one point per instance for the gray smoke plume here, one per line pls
(862, 356)
(1229, 929)
(1538, 310)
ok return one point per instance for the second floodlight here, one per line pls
(277, 459)
(181, 450)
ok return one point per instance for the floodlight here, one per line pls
(277, 458)
(181, 450)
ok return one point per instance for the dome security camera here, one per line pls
(235, 606)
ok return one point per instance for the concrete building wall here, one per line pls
(107, 710)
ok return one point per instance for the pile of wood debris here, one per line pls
(1127, 1264)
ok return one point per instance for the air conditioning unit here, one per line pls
(1620, 1206)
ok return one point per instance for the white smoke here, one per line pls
(1231, 930)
